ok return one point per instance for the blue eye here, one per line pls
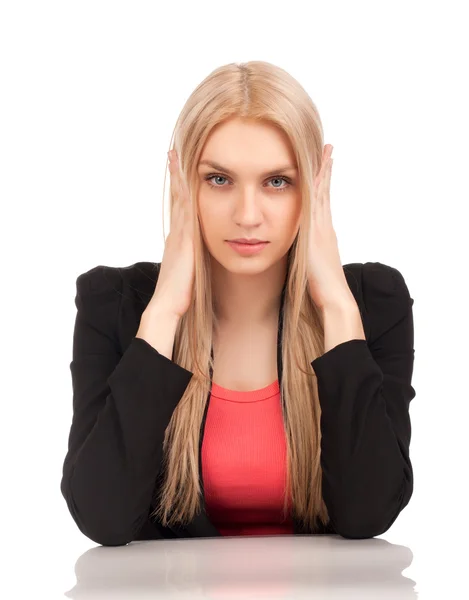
(281, 177)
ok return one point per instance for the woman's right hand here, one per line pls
(173, 289)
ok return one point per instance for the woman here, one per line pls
(235, 389)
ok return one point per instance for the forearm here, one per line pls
(109, 479)
(116, 449)
(367, 475)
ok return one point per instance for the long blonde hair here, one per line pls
(260, 91)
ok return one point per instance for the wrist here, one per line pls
(157, 309)
(341, 305)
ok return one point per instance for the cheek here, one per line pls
(297, 220)
(296, 212)
(291, 215)
(213, 223)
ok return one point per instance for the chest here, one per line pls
(245, 360)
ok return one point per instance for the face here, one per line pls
(253, 191)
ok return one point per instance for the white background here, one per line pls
(90, 92)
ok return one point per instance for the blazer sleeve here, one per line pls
(122, 404)
(365, 390)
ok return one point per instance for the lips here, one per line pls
(248, 243)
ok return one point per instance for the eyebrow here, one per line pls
(218, 167)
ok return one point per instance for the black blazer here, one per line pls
(125, 392)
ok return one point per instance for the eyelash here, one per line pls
(211, 176)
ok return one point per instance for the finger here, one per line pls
(174, 167)
(323, 197)
(174, 186)
(320, 176)
(326, 156)
(327, 187)
(324, 160)
(174, 170)
(178, 183)
(323, 180)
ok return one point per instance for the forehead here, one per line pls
(244, 145)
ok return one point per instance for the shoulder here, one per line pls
(112, 299)
(98, 279)
(376, 281)
(140, 277)
(382, 293)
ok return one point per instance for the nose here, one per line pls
(248, 209)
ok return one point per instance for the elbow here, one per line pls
(100, 524)
(359, 533)
(364, 530)
(369, 522)
(356, 527)
(101, 531)
(107, 538)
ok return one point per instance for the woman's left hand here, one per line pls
(326, 278)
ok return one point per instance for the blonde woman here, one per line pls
(242, 388)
